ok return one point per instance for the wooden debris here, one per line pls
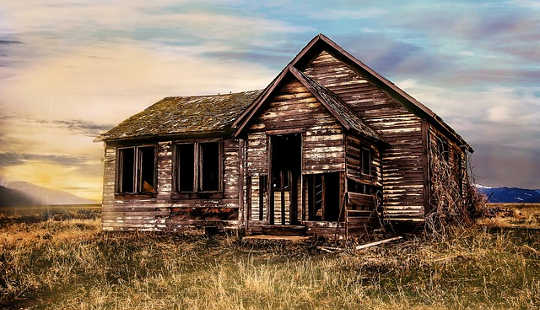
(324, 249)
(329, 249)
(368, 245)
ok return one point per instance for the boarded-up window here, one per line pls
(199, 167)
(136, 170)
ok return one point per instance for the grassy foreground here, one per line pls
(71, 264)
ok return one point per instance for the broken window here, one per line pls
(323, 196)
(146, 169)
(185, 160)
(136, 170)
(199, 167)
(366, 161)
(209, 166)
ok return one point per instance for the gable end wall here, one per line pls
(403, 161)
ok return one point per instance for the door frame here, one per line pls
(269, 192)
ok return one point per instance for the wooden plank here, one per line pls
(372, 244)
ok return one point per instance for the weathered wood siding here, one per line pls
(293, 107)
(161, 212)
(353, 158)
(402, 161)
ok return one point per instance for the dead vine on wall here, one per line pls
(454, 199)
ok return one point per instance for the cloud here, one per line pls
(339, 14)
(13, 159)
(9, 42)
(86, 128)
(496, 165)
(111, 81)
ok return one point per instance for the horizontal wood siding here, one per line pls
(354, 160)
(402, 162)
(294, 108)
(161, 212)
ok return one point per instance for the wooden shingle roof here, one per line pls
(177, 116)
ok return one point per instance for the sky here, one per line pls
(72, 69)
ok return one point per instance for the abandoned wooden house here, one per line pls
(328, 145)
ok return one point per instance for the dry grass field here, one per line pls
(66, 262)
(513, 215)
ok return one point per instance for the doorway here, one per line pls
(286, 169)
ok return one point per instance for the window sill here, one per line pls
(131, 196)
(199, 195)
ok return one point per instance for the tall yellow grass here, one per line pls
(73, 265)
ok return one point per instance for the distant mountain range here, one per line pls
(24, 193)
(509, 194)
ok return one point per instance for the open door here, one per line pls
(285, 175)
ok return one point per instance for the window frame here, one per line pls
(136, 171)
(368, 151)
(197, 193)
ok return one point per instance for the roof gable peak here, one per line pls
(334, 48)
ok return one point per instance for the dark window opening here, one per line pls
(185, 154)
(209, 165)
(199, 167)
(136, 170)
(146, 169)
(323, 196)
(366, 161)
(126, 164)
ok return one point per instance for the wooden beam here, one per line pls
(372, 244)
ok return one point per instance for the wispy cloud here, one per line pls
(351, 13)
(14, 159)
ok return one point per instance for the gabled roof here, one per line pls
(340, 110)
(177, 116)
(334, 104)
(321, 41)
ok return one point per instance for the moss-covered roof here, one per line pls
(184, 116)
